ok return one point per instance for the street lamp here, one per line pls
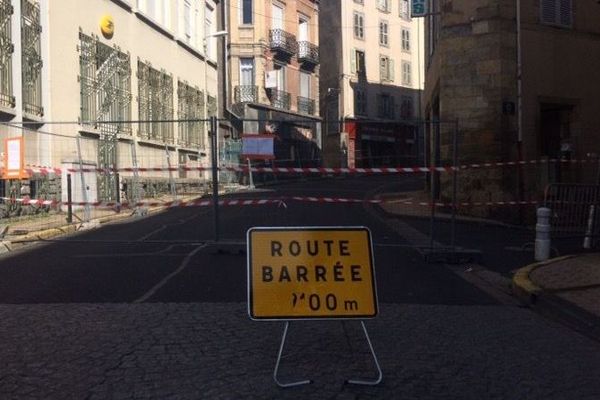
(205, 48)
(213, 139)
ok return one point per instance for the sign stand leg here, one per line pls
(380, 374)
(277, 381)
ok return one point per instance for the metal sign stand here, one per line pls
(305, 382)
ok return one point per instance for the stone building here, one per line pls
(371, 82)
(520, 79)
(270, 78)
(77, 73)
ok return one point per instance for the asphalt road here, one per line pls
(166, 257)
(151, 309)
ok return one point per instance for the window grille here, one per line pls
(190, 102)
(105, 84)
(6, 50)
(31, 60)
(155, 101)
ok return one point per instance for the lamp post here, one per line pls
(213, 138)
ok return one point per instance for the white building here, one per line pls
(57, 65)
(371, 79)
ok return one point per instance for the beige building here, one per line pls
(474, 50)
(371, 80)
(271, 76)
(149, 65)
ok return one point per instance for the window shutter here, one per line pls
(382, 66)
(548, 11)
(353, 61)
(566, 13)
(392, 70)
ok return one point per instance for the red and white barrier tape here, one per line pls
(254, 202)
(319, 170)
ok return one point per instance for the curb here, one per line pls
(7, 246)
(551, 306)
(524, 288)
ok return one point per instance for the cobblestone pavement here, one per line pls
(213, 351)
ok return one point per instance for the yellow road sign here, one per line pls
(311, 272)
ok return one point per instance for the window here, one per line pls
(6, 49)
(557, 12)
(386, 68)
(247, 71)
(406, 108)
(31, 58)
(247, 91)
(359, 1)
(187, 21)
(157, 10)
(280, 71)
(357, 63)
(208, 23)
(385, 106)
(383, 33)
(383, 5)
(105, 84)
(245, 7)
(360, 102)
(405, 39)
(303, 29)
(305, 104)
(190, 101)
(305, 84)
(155, 94)
(359, 25)
(404, 9)
(406, 73)
(277, 17)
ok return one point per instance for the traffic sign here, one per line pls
(419, 8)
(311, 273)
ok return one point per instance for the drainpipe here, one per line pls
(520, 178)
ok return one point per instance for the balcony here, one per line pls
(306, 105)
(283, 42)
(280, 99)
(245, 94)
(308, 53)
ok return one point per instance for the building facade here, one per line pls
(271, 77)
(520, 82)
(116, 74)
(371, 81)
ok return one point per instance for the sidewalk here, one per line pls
(566, 288)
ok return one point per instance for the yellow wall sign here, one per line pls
(107, 26)
(313, 272)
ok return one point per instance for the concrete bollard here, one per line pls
(542, 234)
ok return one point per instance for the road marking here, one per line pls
(152, 253)
(167, 278)
(165, 226)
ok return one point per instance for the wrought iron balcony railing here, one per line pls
(245, 94)
(308, 52)
(306, 105)
(283, 41)
(280, 99)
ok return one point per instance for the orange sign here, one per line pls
(14, 158)
(309, 273)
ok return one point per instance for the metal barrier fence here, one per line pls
(423, 198)
(575, 212)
